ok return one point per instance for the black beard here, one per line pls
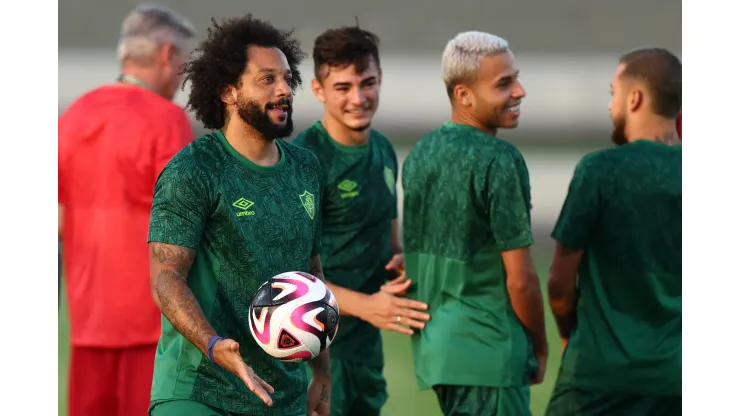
(619, 137)
(252, 114)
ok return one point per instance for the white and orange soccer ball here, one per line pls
(294, 316)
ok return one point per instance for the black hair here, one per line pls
(222, 59)
(661, 72)
(345, 46)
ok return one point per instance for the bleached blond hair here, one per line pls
(463, 53)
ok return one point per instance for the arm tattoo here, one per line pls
(172, 264)
(324, 394)
(315, 269)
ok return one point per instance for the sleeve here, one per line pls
(318, 218)
(580, 210)
(177, 134)
(508, 202)
(181, 205)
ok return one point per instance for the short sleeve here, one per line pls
(178, 133)
(181, 205)
(580, 210)
(508, 202)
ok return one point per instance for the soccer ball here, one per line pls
(294, 316)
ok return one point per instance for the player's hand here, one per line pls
(396, 264)
(392, 313)
(539, 375)
(226, 354)
(397, 286)
(319, 396)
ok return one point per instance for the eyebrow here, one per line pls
(349, 84)
(273, 71)
(509, 76)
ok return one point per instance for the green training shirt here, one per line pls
(466, 199)
(247, 223)
(359, 204)
(624, 210)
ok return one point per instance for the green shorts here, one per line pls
(356, 389)
(483, 401)
(193, 408)
(576, 401)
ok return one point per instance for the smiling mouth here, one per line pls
(513, 109)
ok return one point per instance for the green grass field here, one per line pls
(405, 398)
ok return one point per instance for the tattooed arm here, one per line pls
(320, 365)
(169, 268)
(562, 289)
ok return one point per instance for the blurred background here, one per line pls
(567, 51)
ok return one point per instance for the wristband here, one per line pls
(211, 343)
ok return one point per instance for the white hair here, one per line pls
(148, 27)
(463, 53)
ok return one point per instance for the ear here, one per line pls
(463, 95)
(318, 90)
(636, 99)
(229, 95)
(166, 53)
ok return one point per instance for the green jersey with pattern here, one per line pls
(624, 210)
(358, 206)
(466, 200)
(247, 223)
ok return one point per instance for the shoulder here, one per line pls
(300, 155)
(201, 158)
(308, 138)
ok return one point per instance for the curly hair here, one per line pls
(222, 58)
(342, 47)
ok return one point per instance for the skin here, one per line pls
(632, 115)
(489, 100)
(350, 100)
(265, 80)
(633, 119)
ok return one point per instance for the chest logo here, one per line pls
(390, 180)
(242, 206)
(307, 199)
(349, 189)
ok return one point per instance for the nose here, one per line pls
(519, 91)
(283, 88)
(357, 97)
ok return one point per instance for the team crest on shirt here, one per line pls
(390, 180)
(307, 200)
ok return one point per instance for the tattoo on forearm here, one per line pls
(177, 301)
(315, 269)
(324, 394)
(670, 138)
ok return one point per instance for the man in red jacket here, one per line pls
(113, 143)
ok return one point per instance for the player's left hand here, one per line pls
(396, 264)
(319, 396)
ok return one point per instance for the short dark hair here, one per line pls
(223, 57)
(661, 71)
(342, 47)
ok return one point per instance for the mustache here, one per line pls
(283, 102)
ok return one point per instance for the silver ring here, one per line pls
(398, 319)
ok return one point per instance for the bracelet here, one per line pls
(211, 343)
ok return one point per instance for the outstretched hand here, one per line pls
(226, 354)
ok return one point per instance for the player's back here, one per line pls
(628, 335)
(113, 141)
(454, 197)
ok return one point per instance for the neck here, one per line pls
(658, 130)
(147, 75)
(250, 143)
(468, 120)
(343, 134)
